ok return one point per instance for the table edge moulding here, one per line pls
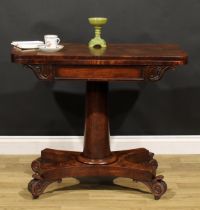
(134, 62)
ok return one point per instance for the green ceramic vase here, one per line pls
(97, 41)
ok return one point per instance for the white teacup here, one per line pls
(51, 41)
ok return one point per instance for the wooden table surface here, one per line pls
(115, 54)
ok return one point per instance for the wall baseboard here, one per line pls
(158, 144)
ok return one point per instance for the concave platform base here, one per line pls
(137, 164)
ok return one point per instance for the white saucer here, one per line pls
(43, 48)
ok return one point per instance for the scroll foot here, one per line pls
(38, 185)
(157, 186)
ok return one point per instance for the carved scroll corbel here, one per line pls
(155, 73)
(43, 72)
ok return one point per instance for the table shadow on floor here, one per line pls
(87, 183)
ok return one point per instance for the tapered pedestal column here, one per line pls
(96, 135)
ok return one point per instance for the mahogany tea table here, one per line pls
(135, 62)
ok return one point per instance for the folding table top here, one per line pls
(114, 54)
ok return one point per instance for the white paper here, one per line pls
(27, 44)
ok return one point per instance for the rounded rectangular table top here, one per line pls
(114, 54)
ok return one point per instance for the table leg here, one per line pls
(96, 135)
(96, 158)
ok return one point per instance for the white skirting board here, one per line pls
(157, 144)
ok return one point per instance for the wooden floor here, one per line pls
(182, 174)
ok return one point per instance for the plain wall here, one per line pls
(168, 107)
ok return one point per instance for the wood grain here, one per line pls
(117, 62)
(100, 73)
(181, 172)
(115, 54)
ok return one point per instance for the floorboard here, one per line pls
(182, 174)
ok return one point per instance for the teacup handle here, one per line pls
(58, 40)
